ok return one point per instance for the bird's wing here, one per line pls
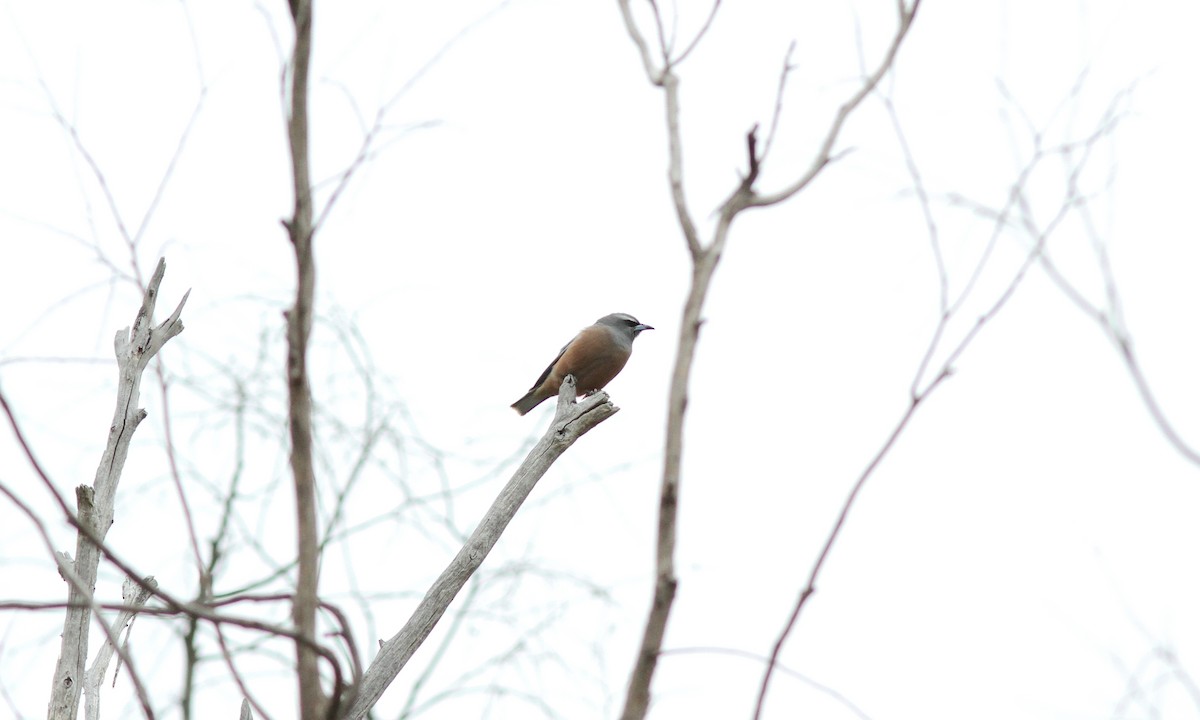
(550, 368)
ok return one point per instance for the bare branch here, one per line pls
(215, 550)
(839, 524)
(450, 635)
(299, 329)
(174, 606)
(825, 154)
(664, 47)
(712, 14)
(704, 262)
(135, 596)
(734, 652)
(248, 698)
(169, 172)
(134, 348)
(1015, 199)
(922, 195)
(368, 147)
(1156, 412)
(670, 85)
(66, 566)
(639, 40)
(1014, 214)
(1109, 319)
(669, 82)
(131, 240)
(637, 696)
(571, 421)
(176, 477)
(784, 72)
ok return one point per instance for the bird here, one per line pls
(594, 357)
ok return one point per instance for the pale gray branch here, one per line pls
(135, 595)
(571, 421)
(134, 348)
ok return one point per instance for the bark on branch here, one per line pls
(134, 348)
(299, 327)
(135, 595)
(571, 421)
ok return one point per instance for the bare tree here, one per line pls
(660, 64)
(299, 328)
(317, 665)
(275, 613)
(657, 47)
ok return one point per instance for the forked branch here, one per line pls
(134, 348)
(826, 154)
(705, 258)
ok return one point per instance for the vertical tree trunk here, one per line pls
(299, 327)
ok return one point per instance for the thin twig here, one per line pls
(1036, 254)
(825, 154)
(174, 606)
(784, 72)
(734, 652)
(712, 14)
(370, 141)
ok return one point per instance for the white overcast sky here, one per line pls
(1028, 548)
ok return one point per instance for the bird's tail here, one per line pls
(527, 403)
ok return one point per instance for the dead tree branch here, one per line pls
(134, 349)
(134, 595)
(571, 421)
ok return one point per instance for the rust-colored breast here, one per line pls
(594, 357)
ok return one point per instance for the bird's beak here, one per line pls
(640, 328)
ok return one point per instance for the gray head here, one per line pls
(624, 324)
